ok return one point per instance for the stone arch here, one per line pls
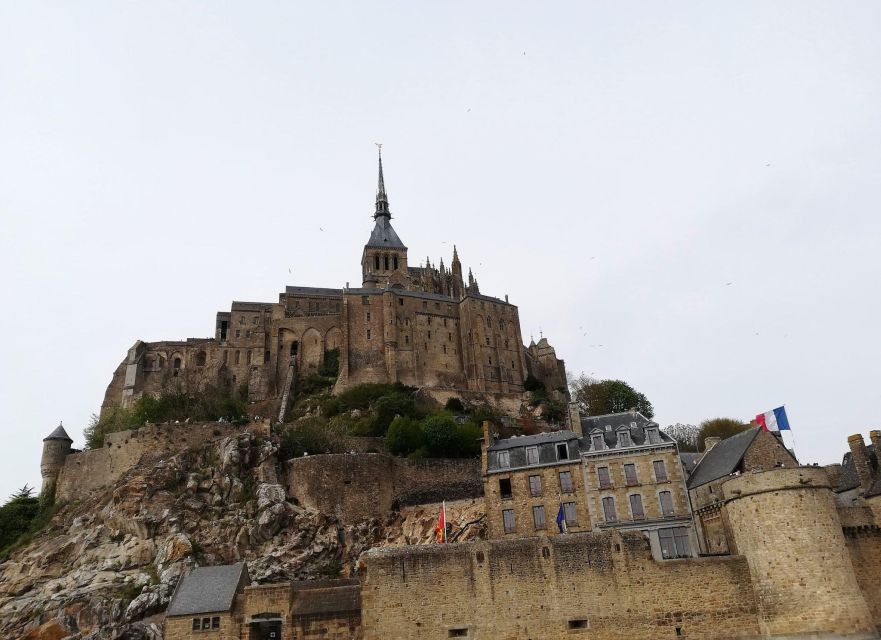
(312, 348)
(333, 339)
(288, 345)
(178, 362)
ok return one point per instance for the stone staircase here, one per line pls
(289, 381)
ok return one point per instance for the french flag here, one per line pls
(773, 420)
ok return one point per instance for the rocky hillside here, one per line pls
(108, 564)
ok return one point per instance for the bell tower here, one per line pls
(384, 260)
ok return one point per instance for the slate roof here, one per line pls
(528, 441)
(634, 421)
(849, 478)
(313, 291)
(689, 461)
(58, 434)
(722, 459)
(383, 235)
(208, 590)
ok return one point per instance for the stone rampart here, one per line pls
(356, 487)
(96, 469)
(603, 586)
(785, 523)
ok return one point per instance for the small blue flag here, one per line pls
(561, 519)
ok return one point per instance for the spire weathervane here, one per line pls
(381, 196)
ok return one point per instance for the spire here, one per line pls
(381, 196)
(455, 254)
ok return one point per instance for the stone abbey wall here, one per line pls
(99, 468)
(602, 586)
(357, 487)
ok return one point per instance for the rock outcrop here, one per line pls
(107, 566)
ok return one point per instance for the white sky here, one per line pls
(610, 166)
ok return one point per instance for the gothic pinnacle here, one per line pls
(381, 196)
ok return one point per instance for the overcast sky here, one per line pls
(681, 195)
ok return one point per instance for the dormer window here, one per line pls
(597, 443)
(624, 439)
(651, 435)
(504, 459)
(562, 451)
(531, 455)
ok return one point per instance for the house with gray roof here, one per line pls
(753, 449)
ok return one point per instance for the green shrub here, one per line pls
(386, 408)
(312, 436)
(533, 384)
(331, 365)
(404, 436)
(441, 438)
(313, 383)
(22, 516)
(363, 395)
(212, 403)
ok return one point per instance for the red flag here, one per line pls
(440, 531)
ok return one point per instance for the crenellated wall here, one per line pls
(356, 487)
(603, 586)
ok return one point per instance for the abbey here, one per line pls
(426, 326)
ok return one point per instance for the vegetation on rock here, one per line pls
(212, 403)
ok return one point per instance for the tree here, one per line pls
(685, 435)
(404, 436)
(719, 428)
(17, 515)
(599, 397)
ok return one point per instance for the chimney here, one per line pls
(875, 437)
(487, 442)
(575, 419)
(860, 456)
(710, 442)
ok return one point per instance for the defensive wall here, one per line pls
(592, 585)
(786, 525)
(91, 470)
(356, 487)
(863, 538)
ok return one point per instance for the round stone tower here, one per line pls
(56, 446)
(785, 523)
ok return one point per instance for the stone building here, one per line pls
(617, 471)
(752, 450)
(635, 482)
(422, 325)
(527, 479)
(220, 602)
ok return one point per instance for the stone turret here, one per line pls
(785, 523)
(56, 446)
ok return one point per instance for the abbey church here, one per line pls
(425, 326)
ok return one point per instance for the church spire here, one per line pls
(381, 196)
